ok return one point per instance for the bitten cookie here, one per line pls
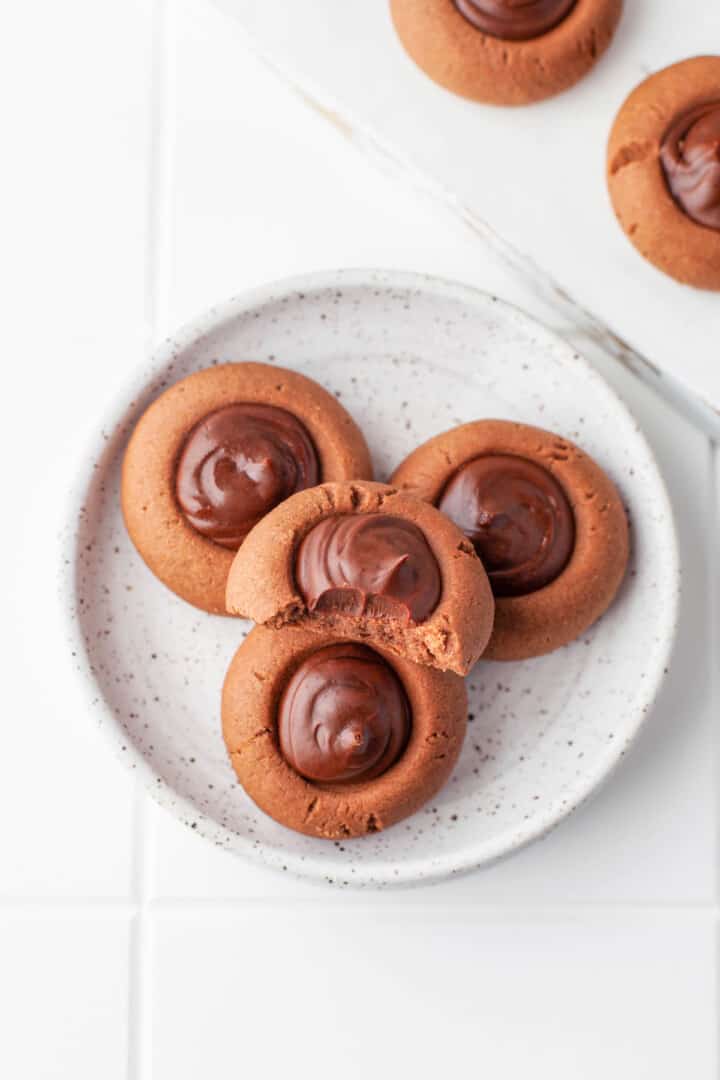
(365, 560)
(663, 170)
(217, 451)
(502, 52)
(335, 739)
(544, 518)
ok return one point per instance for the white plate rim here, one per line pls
(174, 801)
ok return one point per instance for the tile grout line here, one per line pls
(137, 1035)
(139, 1002)
(402, 901)
(390, 900)
(71, 906)
(714, 638)
(714, 635)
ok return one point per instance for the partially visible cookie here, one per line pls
(365, 560)
(335, 739)
(502, 52)
(663, 170)
(545, 519)
(217, 451)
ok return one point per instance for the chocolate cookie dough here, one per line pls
(663, 170)
(546, 521)
(365, 560)
(506, 52)
(333, 738)
(217, 451)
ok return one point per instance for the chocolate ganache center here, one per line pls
(690, 157)
(514, 20)
(517, 516)
(237, 464)
(374, 563)
(343, 716)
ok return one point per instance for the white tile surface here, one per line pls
(536, 176)
(63, 995)
(321, 993)
(284, 192)
(66, 805)
(74, 226)
(74, 207)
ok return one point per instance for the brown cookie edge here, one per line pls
(261, 582)
(648, 215)
(254, 682)
(495, 71)
(190, 565)
(542, 621)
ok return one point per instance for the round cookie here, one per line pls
(572, 568)
(340, 703)
(549, 44)
(656, 144)
(188, 480)
(364, 560)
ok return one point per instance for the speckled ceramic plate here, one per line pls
(409, 356)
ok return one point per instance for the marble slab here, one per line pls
(529, 182)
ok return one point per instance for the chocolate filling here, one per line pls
(690, 157)
(343, 716)
(237, 464)
(375, 564)
(517, 516)
(514, 20)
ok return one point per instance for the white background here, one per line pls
(531, 181)
(156, 167)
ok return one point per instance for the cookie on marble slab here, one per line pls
(214, 453)
(663, 170)
(336, 739)
(545, 519)
(502, 52)
(364, 559)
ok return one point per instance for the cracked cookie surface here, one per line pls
(176, 431)
(546, 617)
(257, 679)
(436, 566)
(456, 53)
(651, 217)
